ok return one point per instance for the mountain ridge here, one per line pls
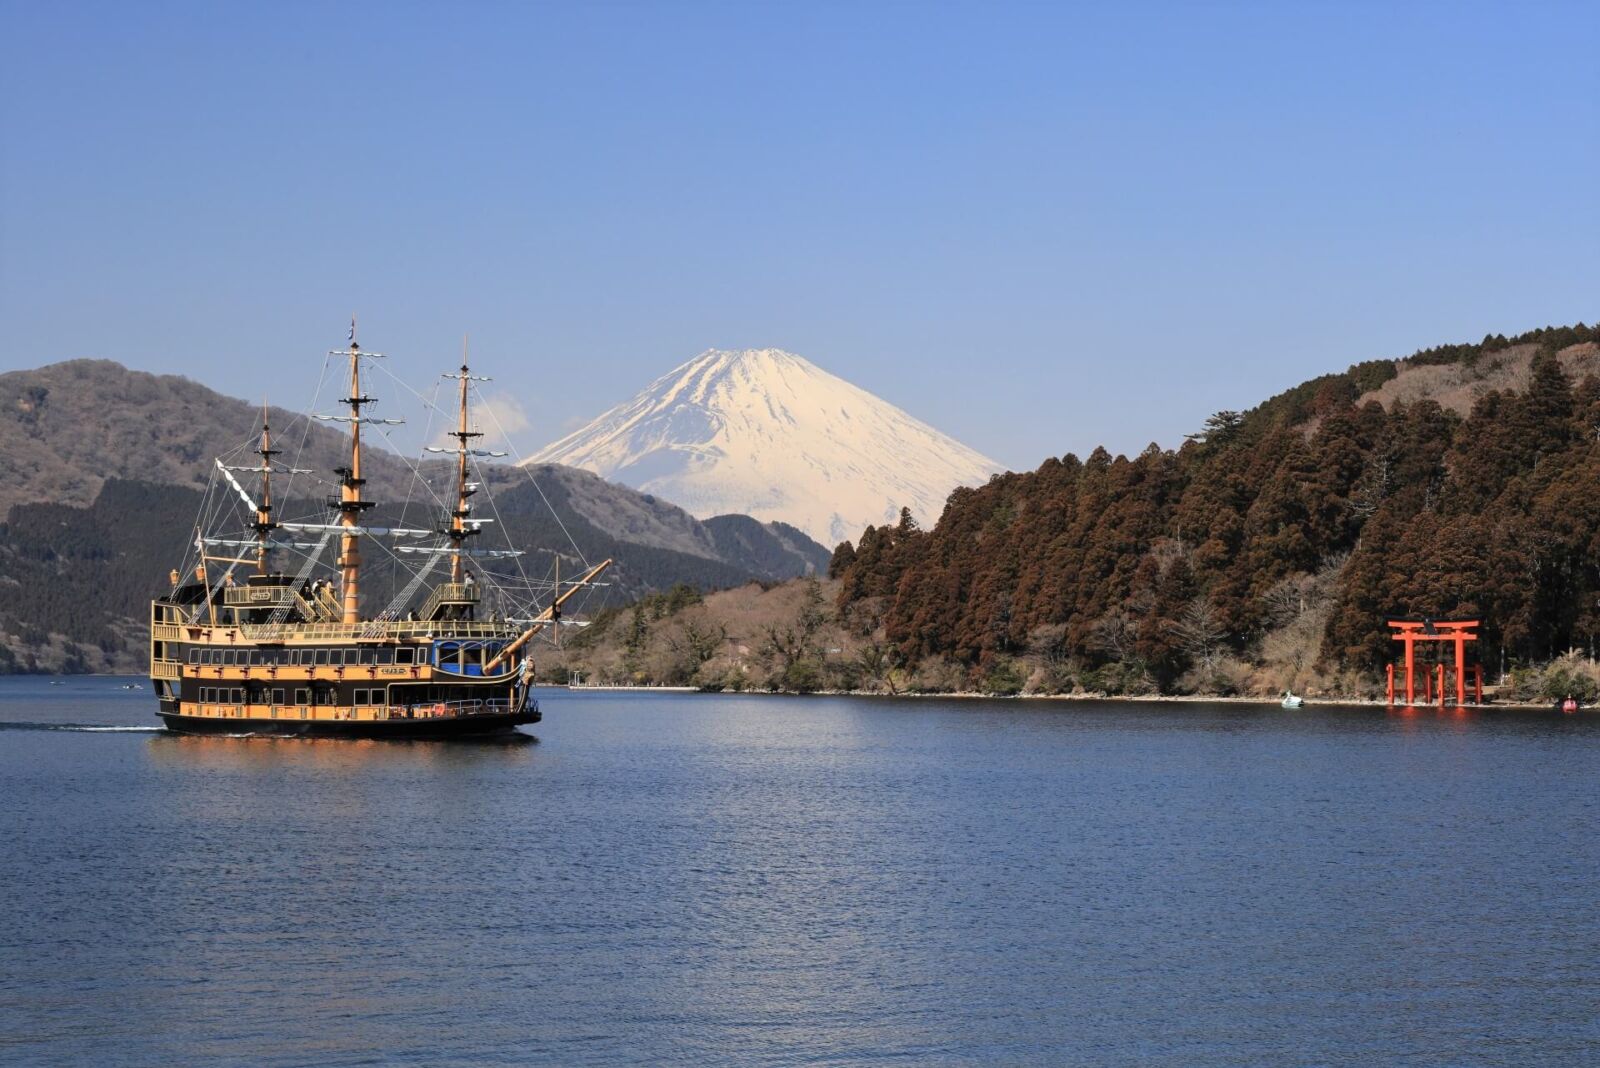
(768, 433)
(75, 424)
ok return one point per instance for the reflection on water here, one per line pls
(252, 751)
(734, 880)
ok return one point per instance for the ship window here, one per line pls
(302, 697)
(194, 656)
(277, 697)
(361, 697)
(322, 656)
(238, 697)
(383, 656)
(227, 657)
(255, 657)
(403, 656)
(352, 656)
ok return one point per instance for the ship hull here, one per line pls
(453, 727)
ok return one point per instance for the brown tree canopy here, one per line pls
(1166, 558)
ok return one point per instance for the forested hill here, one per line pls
(1276, 540)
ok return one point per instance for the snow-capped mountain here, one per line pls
(769, 434)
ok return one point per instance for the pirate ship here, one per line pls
(239, 646)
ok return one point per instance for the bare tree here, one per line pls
(1114, 634)
(1199, 633)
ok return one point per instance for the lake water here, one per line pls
(678, 878)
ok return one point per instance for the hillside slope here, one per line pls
(1277, 540)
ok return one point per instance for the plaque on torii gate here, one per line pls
(1411, 631)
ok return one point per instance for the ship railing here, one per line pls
(327, 604)
(448, 593)
(257, 596)
(280, 597)
(452, 709)
(374, 630)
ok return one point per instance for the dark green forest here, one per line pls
(1164, 566)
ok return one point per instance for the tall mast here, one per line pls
(264, 521)
(459, 532)
(350, 503)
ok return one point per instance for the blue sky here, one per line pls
(1037, 227)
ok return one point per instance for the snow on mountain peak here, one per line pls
(772, 435)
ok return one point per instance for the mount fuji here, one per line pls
(771, 435)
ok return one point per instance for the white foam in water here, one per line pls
(141, 730)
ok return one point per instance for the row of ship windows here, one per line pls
(223, 695)
(306, 657)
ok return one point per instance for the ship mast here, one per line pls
(264, 523)
(349, 502)
(459, 532)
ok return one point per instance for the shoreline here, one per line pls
(968, 695)
(971, 695)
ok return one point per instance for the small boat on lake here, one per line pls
(1291, 701)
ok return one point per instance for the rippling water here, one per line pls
(725, 880)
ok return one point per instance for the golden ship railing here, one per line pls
(400, 629)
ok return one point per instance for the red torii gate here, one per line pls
(1460, 631)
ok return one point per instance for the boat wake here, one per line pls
(89, 728)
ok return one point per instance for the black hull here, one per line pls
(462, 727)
